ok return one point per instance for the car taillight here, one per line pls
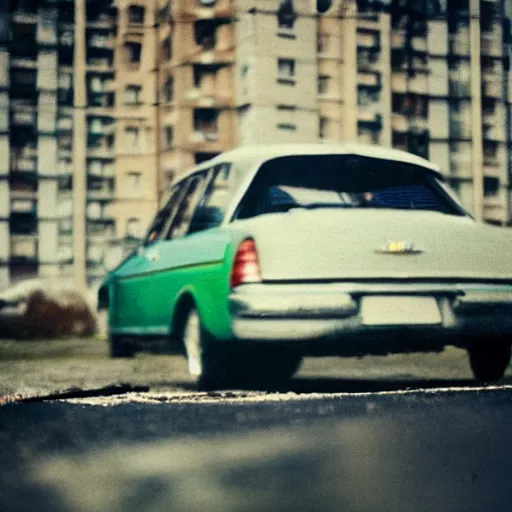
(246, 267)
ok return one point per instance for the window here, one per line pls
(65, 80)
(169, 178)
(132, 95)
(96, 84)
(323, 84)
(132, 139)
(163, 217)
(285, 71)
(367, 96)
(211, 209)
(181, 222)
(343, 181)
(205, 122)
(204, 34)
(491, 186)
(132, 53)
(96, 126)
(166, 49)
(168, 89)
(133, 227)
(323, 43)
(204, 74)
(95, 168)
(285, 16)
(168, 136)
(322, 127)
(287, 127)
(136, 14)
(133, 184)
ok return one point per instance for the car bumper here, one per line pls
(272, 312)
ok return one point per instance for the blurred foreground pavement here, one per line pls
(422, 451)
(372, 434)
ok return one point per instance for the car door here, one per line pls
(149, 289)
(132, 304)
(186, 255)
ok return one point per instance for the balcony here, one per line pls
(493, 131)
(94, 254)
(65, 124)
(368, 40)
(198, 136)
(24, 118)
(214, 42)
(25, 16)
(22, 204)
(100, 64)
(492, 169)
(24, 247)
(102, 151)
(459, 45)
(459, 130)
(492, 87)
(399, 81)
(494, 213)
(399, 123)
(46, 35)
(367, 60)
(368, 117)
(100, 18)
(100, 42)
(458, 89)
(202, 9)
(23, 53)
(418, 84)
(491, 46)
(99, 189)
(24, 166)
(100, 99)
(369, 79)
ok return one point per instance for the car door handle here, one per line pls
(152, 256)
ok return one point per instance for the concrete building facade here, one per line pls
(104, 104)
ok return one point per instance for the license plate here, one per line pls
(381, 310)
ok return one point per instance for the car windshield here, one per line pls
(344, 181)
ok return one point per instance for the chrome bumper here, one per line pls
(279, 312)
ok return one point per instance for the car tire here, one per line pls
(489, 362)
(218, 365)
(207, 359)
(119, 347)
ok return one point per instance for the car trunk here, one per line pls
(344, 244)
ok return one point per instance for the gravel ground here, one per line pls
(39, 368)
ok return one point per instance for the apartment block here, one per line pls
(103, 104)
(196, 87)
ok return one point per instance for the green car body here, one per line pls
(145, 297)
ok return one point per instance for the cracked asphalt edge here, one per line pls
(129, 394)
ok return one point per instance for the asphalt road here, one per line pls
(87, 433)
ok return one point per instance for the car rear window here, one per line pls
(344, 181)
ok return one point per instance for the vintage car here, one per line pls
(266, 254)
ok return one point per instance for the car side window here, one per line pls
(195, 186)
(212, 206)
(157, 228)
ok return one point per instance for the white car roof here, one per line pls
(254, 156)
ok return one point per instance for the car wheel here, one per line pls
(489, 362)
(119, 347)
(205, 362)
